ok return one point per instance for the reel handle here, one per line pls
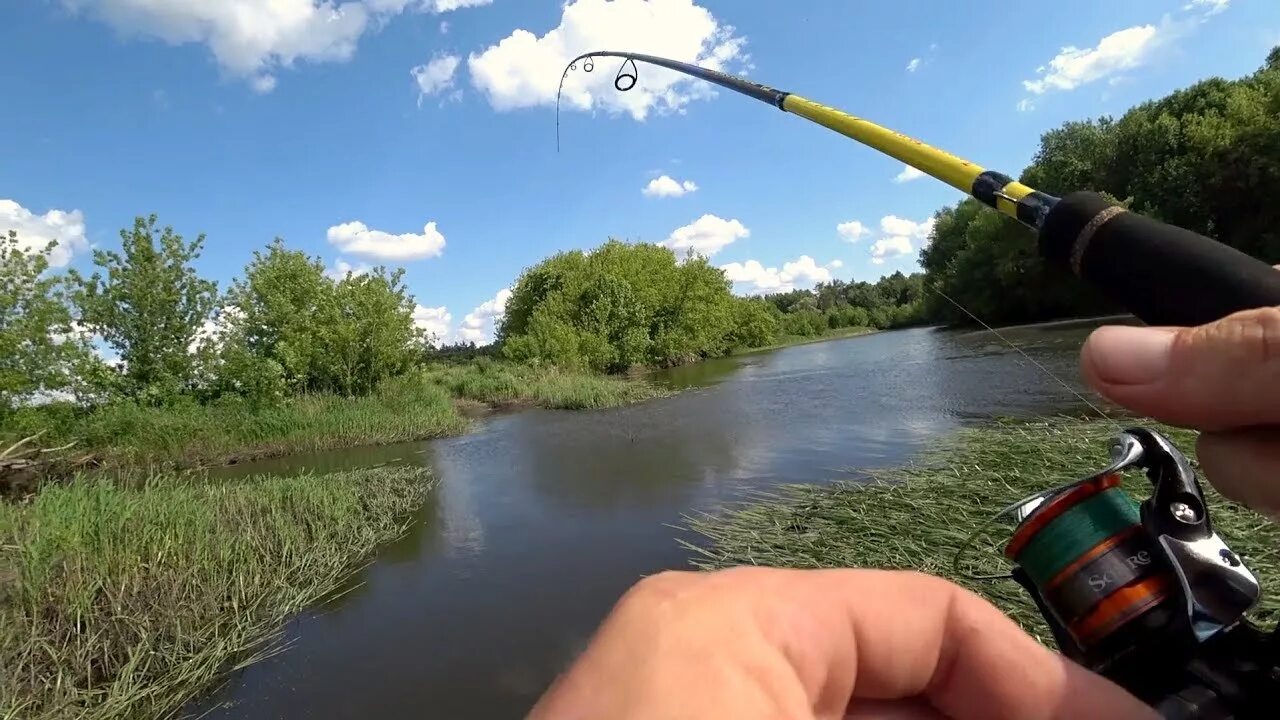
(1165, 275)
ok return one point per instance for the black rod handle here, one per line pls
(1163, 274)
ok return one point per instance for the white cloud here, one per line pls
(444, 27)
(478, 325)
(1025, 105)
(435, 321)
(252, 39)
(889, 248)
(248, 38)
(753, 278)
(913, 65)
(341, 268)
(835, 264)
(908, 174)
(436, 76)
(442, 6)
(263, 84)
(356, 238)
(524, 69)
(852, 231)
(1208, 7)
(1121, 50)
(898, 234)
(667, 186)
(894, 225)
(707, 236)
(37, 231)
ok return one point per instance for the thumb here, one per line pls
(1219, 376)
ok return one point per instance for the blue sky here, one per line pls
(420, 133)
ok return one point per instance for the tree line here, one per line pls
(1206, 158)
(285, 327)
(622, 305)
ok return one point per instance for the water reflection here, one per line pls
(541, 519)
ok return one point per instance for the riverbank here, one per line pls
(792, 340)
(424, 404)
(916, 517)
(123, 601)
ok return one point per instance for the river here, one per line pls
(542, 519)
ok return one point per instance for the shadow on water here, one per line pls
(541, 519)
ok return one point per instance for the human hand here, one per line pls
(1222, 378)
(762, 643)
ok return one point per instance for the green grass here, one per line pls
(120, 602)
(789, 340)
(916, 517)
(188, 433)
(497, 382)
(416, 406)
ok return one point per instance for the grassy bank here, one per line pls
(120, 602)
(416, 406)
(498, 383)
(917, 516)
(789, 340)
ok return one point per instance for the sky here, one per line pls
(422, 133)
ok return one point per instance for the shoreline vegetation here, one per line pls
(124, 602)
(122, 593)
(917, 516)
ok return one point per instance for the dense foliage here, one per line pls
(638, 304)
(1206, 158)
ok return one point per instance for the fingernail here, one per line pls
(1123, 355)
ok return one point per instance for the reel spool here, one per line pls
(1094, 566)
(1147, 594)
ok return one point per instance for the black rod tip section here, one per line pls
(1163, 274)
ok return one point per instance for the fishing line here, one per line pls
(1029, 359)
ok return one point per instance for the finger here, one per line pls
(1245, 466)
(1219, 376)
(902, 635)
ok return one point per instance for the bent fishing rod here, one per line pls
(1146, 594)
(1165, 275)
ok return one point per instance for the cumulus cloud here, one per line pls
(356, 238)
(66, 228)
(435, 320)
(523, 69)
(897, 238)
(753, 278)
(253, 39)
(667, 186)
(913, 65)
(908, 174)
(852, 231)
(435, 76)
(1072, 67)
(1026, 105)
(341, 268)
(705, 236)
(479, 324)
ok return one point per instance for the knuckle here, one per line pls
(1253, 335)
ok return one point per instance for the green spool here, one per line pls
(1076, 532)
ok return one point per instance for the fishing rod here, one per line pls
(1165, 275)
(1146, 594)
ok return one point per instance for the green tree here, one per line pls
(619, 305)
(40, 348)
(150, 306)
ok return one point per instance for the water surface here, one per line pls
(542, 518)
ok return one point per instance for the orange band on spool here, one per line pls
(1119, 608)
